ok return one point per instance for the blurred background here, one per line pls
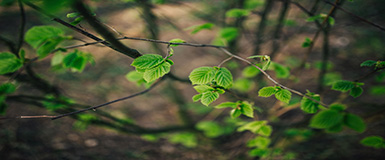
(165, 123)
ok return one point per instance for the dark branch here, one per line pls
(104, 32)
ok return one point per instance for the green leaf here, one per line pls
(7, 88)
(202, 75)
(134, 76)
(48, 46)
(267, 91)
(247, 109)
(243, 85)
(265, 130)
(54, 103)
(229, 33)
(356, 91)
(237, 13)
(335, 129)
(354, 122)
(203, 88)
(57, 59)
(197, 97)
(234, 113)
(326, 119)
(73, 15)
(187, 139)
(250, 72)
(156, 72)
(259, 152)
(9, 63)
(37, 35)
(76, 60)
(377, 90)
(368, 63)
(176, 40)
(147, 61)
(308, 105)
(280, 70)
(226, 104)
(254, 126)
(283, 95)
(343, 85)
(223, 77)
(209, 97)
(259, 142)
(337, 107)
(373, 141)
(307, 42)
(197, 28)
(210, 129)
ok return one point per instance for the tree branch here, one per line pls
(104, 32)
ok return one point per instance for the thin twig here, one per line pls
(108, 103)
(355, 16)
(271, 79)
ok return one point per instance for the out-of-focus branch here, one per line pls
(104, 32)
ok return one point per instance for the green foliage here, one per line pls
(223, 77)
(226, 35)
(243, 85)
(202, 75)
(7, 88)
(237, 13)
(209, 97)
(187, 139)
(156, 72)
(210, 129)
(257, 127)
(376, 64)
(377, 90)
(307, 42)
(282, 95)
(44, 39)
(197, 28)
(176, 40)
(267, 91)
(344, 86)
(250, 72)
(326, 119)
(354, 122)
(265, 61)
(239, 107)
(321, 17)
(9, 63)
(259, 142)
(84, 120)
(280, 70)
(147, 61)
(76, 60)
(53, 103)
(337, 107)
(368, 63)
(373, 141)
(252, 4)
(152, 66)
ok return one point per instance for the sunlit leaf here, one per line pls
(147, 61)
(156, 72)
(223, 77)
(202, 75)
